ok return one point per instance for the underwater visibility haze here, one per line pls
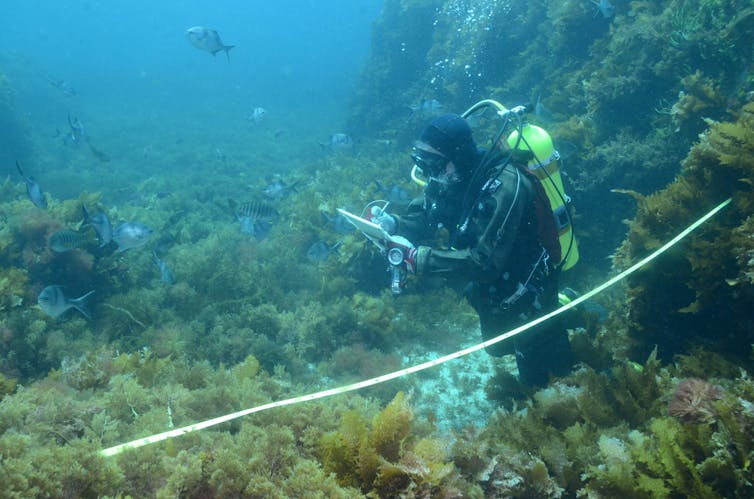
(171, 249)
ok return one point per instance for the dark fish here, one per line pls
(338, 223)
(394, 193)
(101, 156)
(101, 225)
(321, 251)
(166, 275)
(54, 303)
(278, 189)
(131, 235)
(76, 134)
(259, 229)
(33, 190)
(207, 39)
(66, 240)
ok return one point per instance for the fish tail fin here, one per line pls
(155, 258)
(227, 48)
(80, 304)
(87, 218)
(18, 165)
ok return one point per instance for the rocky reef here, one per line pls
(653, 103)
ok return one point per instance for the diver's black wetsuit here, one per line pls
(492, 243)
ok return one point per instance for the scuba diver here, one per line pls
(504, 228)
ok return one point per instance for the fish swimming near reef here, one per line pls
(257, 210)
(339, 142)
(321, 251)
(131, 235)
(338, 223)
(33, 190)
(257, 115)
(101, 225)
(208, 40)
(66, 240)
(53, 302)
(166, 275)
(394, 193)
(279, 189)
(427, 108)
(65, 87)
(604, 7)
(255, 218)
(544, 114)
(77, 135)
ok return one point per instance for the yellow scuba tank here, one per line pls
(546, 167)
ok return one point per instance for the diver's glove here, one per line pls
(402, 251)
(385, 220)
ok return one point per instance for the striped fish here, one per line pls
(66, 240)
(256, 210)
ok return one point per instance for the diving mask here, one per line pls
(431, 164)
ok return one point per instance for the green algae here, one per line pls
(253, 321)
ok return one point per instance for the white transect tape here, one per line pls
(111, 451)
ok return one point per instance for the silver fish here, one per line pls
(207, 39)
(604, 7)
(427, 108)
(340, 141)
(33, 190)
(65, 87)
(278, 189)
(166, 275)
(257, 115)
(54, 303)
(66, 240)
(131, 235)
(542, 112)
(101, 225)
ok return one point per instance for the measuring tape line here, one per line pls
(111, 451)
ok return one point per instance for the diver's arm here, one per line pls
(413, 225)
(486, 260)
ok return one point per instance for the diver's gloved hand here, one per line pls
(401, 250)
(385, 220)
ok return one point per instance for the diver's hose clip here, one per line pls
(396, 256)
(517, 111)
